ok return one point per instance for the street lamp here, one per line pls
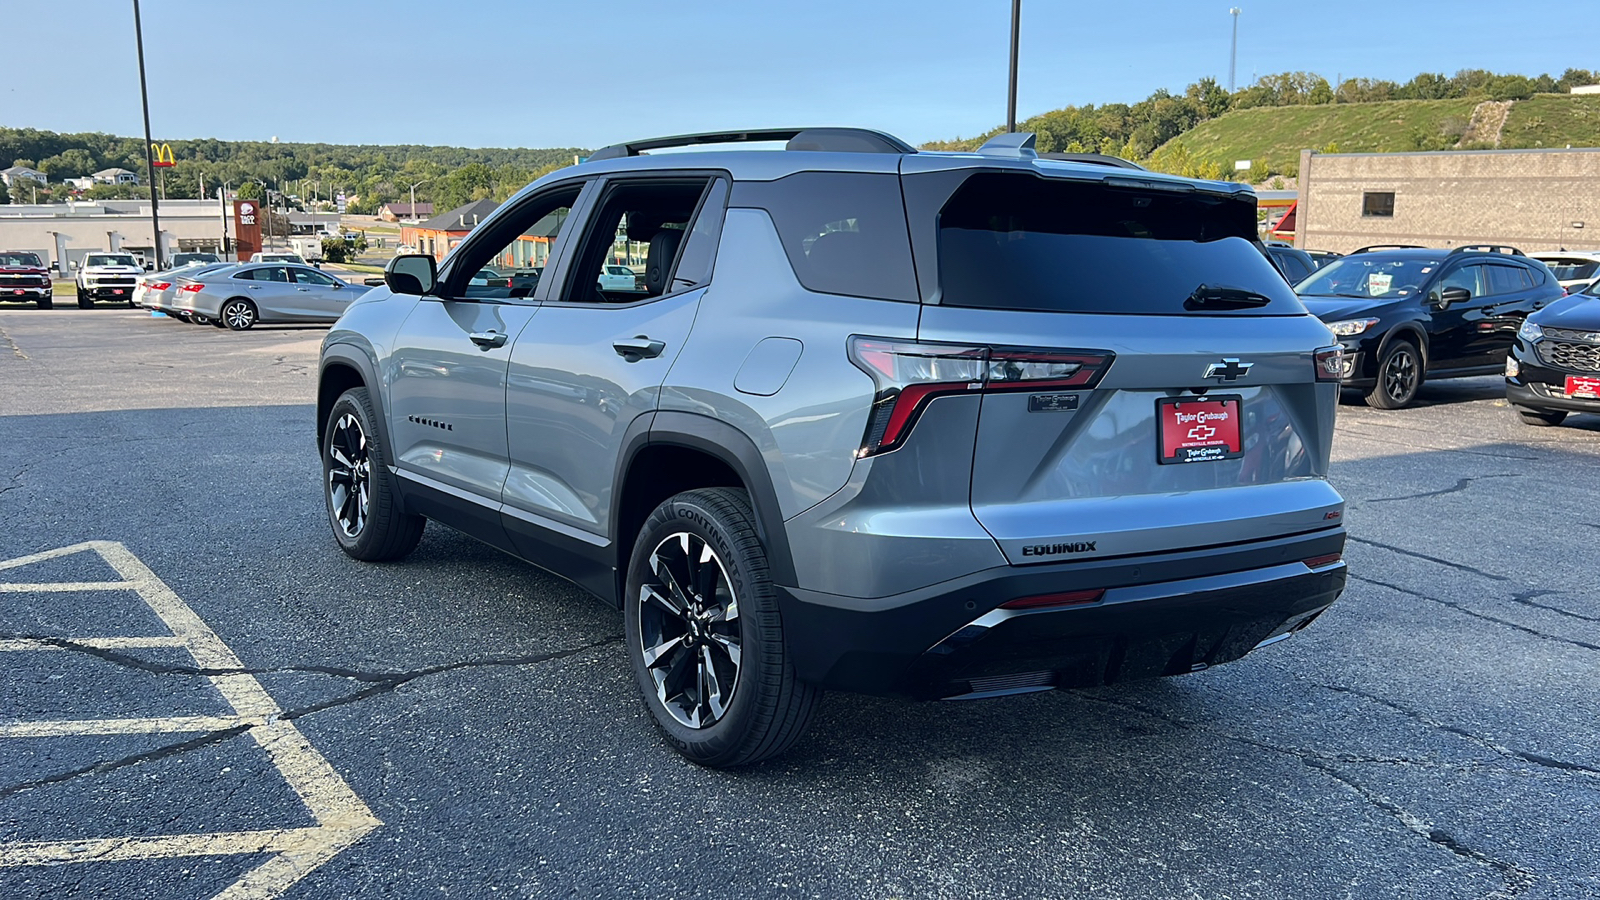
(266, 201)
(149, 144)
(1011, 93)
(1233, 55)
(414, 196)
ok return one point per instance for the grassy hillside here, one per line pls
(1276, 135)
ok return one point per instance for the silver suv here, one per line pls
(928, 424)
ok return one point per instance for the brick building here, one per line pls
(1532, 199)
(440, 234)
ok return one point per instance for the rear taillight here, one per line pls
(1330, 364)
(910, 374)
(1045, 601)
(159, 286)
(192, 286)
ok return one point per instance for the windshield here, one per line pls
(109, 259)
(1370, 275)
(30, 260)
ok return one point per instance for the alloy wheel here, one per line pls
(239, 315)
(690, 631)
(1400, 376)
(349, 475)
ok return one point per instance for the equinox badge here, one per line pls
(1230, 369)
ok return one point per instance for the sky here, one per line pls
(530, 73)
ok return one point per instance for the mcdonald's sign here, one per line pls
(161, 156)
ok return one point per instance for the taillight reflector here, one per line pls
(1330, 364)
(1065, 598)
(1317, 562)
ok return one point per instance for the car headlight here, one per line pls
(1350, 327)
(1530, 332)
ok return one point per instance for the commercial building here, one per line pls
(1530, 199)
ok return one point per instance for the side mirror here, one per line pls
(413, 273)
(1452, 295)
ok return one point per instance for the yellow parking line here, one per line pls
(122, 726)
(108, 643)
(342, 818)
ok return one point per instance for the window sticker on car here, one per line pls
(1378, 283)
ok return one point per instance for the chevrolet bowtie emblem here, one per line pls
(1230, 369)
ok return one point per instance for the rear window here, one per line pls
(1021, 242)
(844, 232)
(1572, 269)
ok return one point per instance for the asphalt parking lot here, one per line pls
(200, 695)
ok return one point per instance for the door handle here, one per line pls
(304, 290)
(488, 340)
(254, 287)
(637, 348)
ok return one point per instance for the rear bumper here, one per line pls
(1163, 614)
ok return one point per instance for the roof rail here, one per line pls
(1386, 247)
(1010, 143)
(838, 140)
(1099, 159)
(1506, 249)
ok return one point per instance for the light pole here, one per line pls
(1233, 55)
(149, 144)
(414, 196)
(266, 197)
(1011, 92)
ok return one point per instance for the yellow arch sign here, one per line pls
(161, 156)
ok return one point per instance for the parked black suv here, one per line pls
(1406, 314)
(1554, 367)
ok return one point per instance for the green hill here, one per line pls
(1276, 135)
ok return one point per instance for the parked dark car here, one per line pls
(1296, 265)
(1323, 257)
(1554, 366)
(1407, 314)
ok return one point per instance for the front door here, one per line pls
(1450, 343)
(594, 360)
(325, 297)
(448, 370)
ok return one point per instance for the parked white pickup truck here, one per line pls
(107, 276)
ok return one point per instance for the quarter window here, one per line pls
(1377, 204)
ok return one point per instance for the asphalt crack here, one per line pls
(1542, 635)
(16, 481)
(1460, 567)
(1460, 486)
(379, 683)
(1526, 598)
(1517, 879)
(15, 350)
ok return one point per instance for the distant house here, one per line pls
(439, 234)
(410, 212)
(22, 173)
(115, 176)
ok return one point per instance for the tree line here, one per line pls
(376, 174)
(1140, 131)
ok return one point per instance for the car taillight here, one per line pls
(1044, 601)
(1330, 364)
(159, 286)
(192, 286)
(910, 374)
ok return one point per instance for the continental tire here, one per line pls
(364, 509)
(1399, 376)
(704, 636)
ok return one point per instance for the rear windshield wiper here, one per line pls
(1212, 296)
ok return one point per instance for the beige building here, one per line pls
(1530, 199)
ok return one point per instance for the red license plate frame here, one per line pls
(1199, 429)
(1583, 387)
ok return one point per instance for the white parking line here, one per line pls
(342, 818)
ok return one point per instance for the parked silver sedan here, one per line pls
(156, 291)
(243, 295)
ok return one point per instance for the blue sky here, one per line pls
(539, 74)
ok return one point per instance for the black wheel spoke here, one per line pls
(349, 490)
(689, 630)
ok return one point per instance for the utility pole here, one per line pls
(1016, 39)
(149, 143)
(1233, 55)
(414, 194)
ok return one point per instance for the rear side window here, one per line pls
(1508, 279)
(1016, 241)
(844, 232)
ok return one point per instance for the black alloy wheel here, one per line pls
(349, 476)
(364, 507)
(1399, 376)
(704, 636)
(238, 314)
(690, 630)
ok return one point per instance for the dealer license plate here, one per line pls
(1195, 429)
(1583, 386)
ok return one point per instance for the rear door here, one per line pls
(1174, 401)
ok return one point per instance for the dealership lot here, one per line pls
(1433, 735)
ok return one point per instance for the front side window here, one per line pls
(507, 262)
(1469, 277)
(312, 276)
